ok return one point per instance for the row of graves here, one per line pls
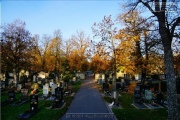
(106, 81)
(33, 98)
(53, 90)
(149, 96)
(152, 95)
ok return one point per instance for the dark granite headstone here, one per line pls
(160, 98)
(11, 94)
(105, 86)
(163, 86)
(156, 87)
(137, 94)
(33, 107)
(58, 98)
(24, 94)
(59, 94)
(118, 85)
(34, 102)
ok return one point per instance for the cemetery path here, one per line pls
(88, 104)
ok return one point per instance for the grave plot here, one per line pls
(58, 101)
(33, 108)
(68, 90)
(122, 86)
(160, 99)
(11, 98)
(105, 88)
(143, 98)
(45, 92)
(138, 99)
(24, 98)
(51, 95)
(150, 101)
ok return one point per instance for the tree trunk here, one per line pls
(143, 79)
(173, 110)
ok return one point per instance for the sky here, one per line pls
(46, 16)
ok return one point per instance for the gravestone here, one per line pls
(45, 90)
(162, 76)
(61, 84)
(11, 95)
(160, 98)
(34, 102)
(46, 80)
(24, 94)
(24, 98)
(59, 98)
(148, 95)
(137, 93)
(163, 86)
(69, 90)
(105, 86)
(10, 82)
(74, 79)
(19, 87)
(33, 107)
(34, 78)
(106, 89)
(156, 87)
(54, 86)
(106, 77)
(118, 85)
(50, 84)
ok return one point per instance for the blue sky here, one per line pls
(45, 16)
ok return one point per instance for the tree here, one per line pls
(55, 47)
(78, 56)
(168, 24)
(138, 41)
(16, 49)
(106, 31)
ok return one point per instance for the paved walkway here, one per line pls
(88, 104)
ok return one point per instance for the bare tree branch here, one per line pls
(176, 23)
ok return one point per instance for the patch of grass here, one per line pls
(140, 114)
(126, 99)
(128, 112)
(76, 86)
(108, 99)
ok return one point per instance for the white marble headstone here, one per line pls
(45, 90)
(19, 86)
(54, 86)
(34, 78)
(74, 79)
(51, 84)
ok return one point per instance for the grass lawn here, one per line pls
(129, 112)
(9, 112)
